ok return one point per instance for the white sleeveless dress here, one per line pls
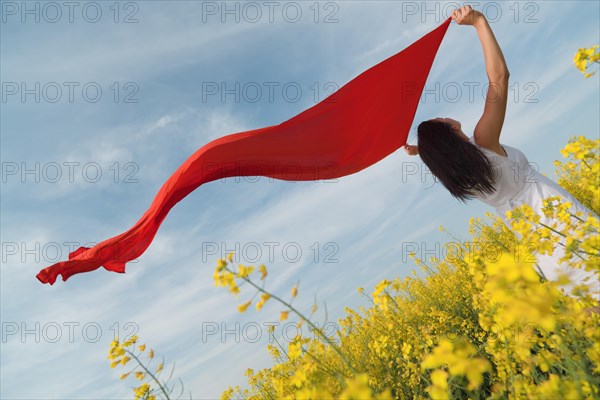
(517, 182)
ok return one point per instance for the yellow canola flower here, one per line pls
(115, 352)
(243, 307)
(263, 299)
(243, 271)
(439, 385)
(460, 360)
(406, 349)
(294, 349)
(518, 294)
(357, 388)
(263, 271)
(584, 55)
(142, 391)
(233, 288)
(274, 351)
(130, 341)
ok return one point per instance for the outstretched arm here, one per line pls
(487, 130)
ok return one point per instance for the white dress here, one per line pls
(517, 182)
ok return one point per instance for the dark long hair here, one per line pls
(462, 168)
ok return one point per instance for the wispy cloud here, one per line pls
(373, 217)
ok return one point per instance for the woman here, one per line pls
(481, 167)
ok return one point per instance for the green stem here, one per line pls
(150, 373)
(331, 343)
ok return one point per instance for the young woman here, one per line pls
(481, 167)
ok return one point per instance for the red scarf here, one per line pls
(363, 122)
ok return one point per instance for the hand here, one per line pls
(411, 150)
(465, 15)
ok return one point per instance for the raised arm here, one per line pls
(487, 131)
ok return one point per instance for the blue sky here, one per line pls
(55, 338)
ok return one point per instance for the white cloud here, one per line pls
(169, 293)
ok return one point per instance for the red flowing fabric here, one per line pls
(361, 123)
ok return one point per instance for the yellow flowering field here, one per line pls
(483, 323)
